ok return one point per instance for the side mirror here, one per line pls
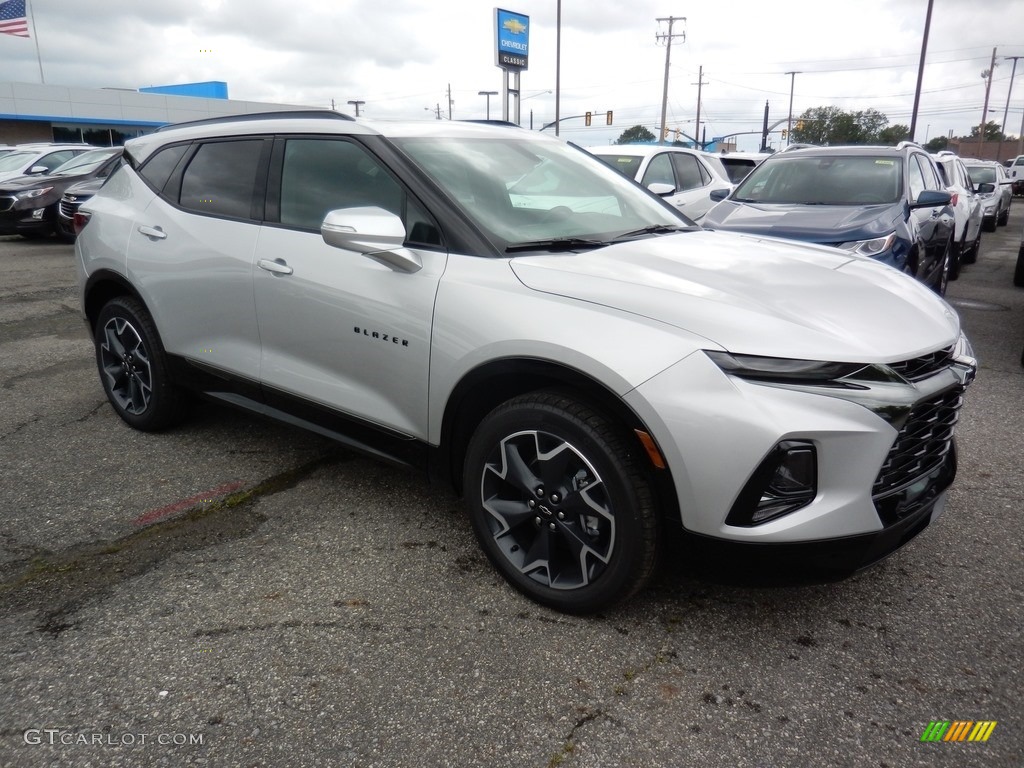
(36, 170)
(661, 189)
(931, 198)
(985, 188)
(373, 232)
(719, 194)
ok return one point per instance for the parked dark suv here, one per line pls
(888, 203)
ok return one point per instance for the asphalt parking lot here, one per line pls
(237, 593)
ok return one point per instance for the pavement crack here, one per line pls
(24, 425)
(57, 585)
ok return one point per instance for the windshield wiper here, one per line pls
(656, 229)
(556, 244)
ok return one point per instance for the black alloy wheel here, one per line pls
(132, 367)
(942, 278)
(559, 503)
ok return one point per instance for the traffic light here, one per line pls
(587, 118)
(799, 125)
(785, 133)
(608, 117)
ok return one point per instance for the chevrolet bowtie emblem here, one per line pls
(515, 26)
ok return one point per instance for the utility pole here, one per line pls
(668, 37)
(356, 104)
(450, 102)
(920, 70)
(789, 122)
(1006, 111)
(987, 74)
(764, 130)
(699, 83)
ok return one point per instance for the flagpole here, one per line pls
(35, 36)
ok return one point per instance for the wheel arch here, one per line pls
(487, 386)
(102, 286)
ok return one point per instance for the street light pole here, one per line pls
(488, 94)
(920, 70)
(987, 74)
(356, 104)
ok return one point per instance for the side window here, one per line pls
(931, 181)
(916, 178)
(221, 178)
(687, 171)
(159, 167)
(321, 175)
(54, 159)
(659, 171)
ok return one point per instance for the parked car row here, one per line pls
(920, 213)
(30, 204)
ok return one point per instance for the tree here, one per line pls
(635, 135)
(830, 126)
(893, 134)
(993, 131)
(937, 144)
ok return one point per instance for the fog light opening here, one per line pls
(785, 481)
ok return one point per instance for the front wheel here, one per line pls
(559, 502)
(133, 368)
(1004, 217)
(945, 269)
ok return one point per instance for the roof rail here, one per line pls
(285, 114)
(905, 143)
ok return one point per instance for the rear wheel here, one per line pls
(133, 367)
(972, 253)
(560, 504)
(956, 257)
(942, 278)
(1018, 273)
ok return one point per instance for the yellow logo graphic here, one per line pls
(958, 730)
(515, 26)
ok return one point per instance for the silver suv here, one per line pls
(498, 307)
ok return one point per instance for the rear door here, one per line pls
(192, 250)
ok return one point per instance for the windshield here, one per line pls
(980, 174)
(85, 163)
(829, 180)
(528, 191)
(14, 161)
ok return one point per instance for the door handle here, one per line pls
(277, 266)
(153, 232)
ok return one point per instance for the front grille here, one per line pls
(920, 459)
(69, 206)
(918, 368)
(6, 203)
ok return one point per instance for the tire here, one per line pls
(972, 253)
(943, 278)
(559, 502)
(989, 224)
(957, 257)
(133, 367)
(1018, 273)
(1003, 219)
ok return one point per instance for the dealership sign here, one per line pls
(511, 39)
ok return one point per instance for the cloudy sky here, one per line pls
(400, 56)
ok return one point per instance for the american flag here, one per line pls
(12, 18)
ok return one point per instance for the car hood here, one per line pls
(809, 223)
(765, 297)
(21, 183)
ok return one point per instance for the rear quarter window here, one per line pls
(160, 166)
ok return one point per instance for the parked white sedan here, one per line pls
(683, 177)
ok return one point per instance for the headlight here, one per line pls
(871, 247)
(817, 372)
(32, 193)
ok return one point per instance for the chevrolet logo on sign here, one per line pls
(515, 26)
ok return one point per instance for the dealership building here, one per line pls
(31, 112)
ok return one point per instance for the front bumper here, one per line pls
(17, 221)
(885, 455)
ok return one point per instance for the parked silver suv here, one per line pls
(504, 310)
